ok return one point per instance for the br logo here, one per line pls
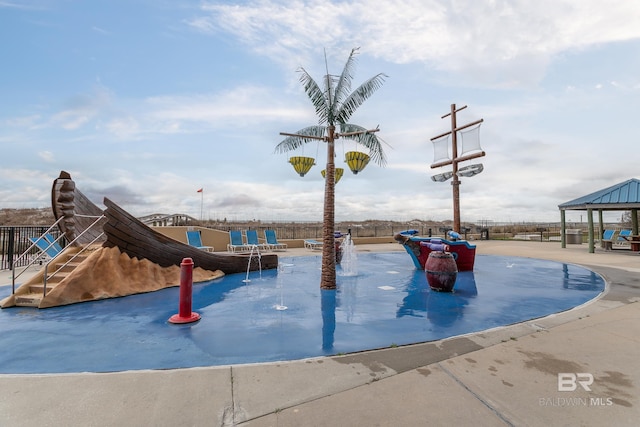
(568, 381)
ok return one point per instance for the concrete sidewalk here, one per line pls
(504, 376)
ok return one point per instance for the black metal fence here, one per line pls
(293, 230)
(308, 231)
(14, 241)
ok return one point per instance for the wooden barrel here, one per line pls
(441, 271)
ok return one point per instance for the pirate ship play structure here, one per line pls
(110, 253)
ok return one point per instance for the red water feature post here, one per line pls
(185, 315)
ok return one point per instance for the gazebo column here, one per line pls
(634, 221)
(600, 224)
(590, 222)
(563, 226)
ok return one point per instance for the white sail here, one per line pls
(469, 140)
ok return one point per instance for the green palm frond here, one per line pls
(290, 143)
(343, 86)
(358, 96)
(316, 95)
(330, 82)
(369, 140)
(335, 104)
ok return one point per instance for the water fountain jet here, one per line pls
(282, 269)
(257, 250)
(349, 262)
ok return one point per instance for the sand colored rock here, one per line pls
(109, 273)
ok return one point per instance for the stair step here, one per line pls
(37, 289)
(34, 297)
(28, 300)
(67, 268)
(76, 261)
(56, 279)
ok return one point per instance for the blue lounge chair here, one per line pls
(236, 243)
(608, 234)
(53, 240)
(607, 239)
(623, 234)
(252, 240)
(621, 241)
(272, 241)
(46, 247)
(312, 244)
(194, 238)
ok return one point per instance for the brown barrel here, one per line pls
(441, 271)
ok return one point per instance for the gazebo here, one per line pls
(624, 196)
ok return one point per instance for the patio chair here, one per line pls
(272, 241)
(54, 242)
(607, 239)
(252, 240)
(608, 234)
(312, 244)
(47, 248)
(235, 242)
(194, 238)
(621, 242)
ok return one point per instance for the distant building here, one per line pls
(167, 220)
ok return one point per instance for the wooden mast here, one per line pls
(455, 160)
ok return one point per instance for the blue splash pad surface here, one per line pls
(387, 303)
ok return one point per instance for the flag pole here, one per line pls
(201, 191)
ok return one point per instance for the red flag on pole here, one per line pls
(200, 190)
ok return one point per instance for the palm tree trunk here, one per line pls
(328, 273)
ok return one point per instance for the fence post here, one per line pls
(11, 246)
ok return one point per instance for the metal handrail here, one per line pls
(14, 276)
(46, 267)
(24, 254)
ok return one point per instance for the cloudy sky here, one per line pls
(147, 101)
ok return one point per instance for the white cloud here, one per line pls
(18, 5)
(124, 127)
(553, 81)
(493, 43)
(71, 120)
(23, 122)
(47, 156)
(100, 30)
(239, 105)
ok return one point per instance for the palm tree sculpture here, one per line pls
(334, 105)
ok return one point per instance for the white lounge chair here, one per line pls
(621, 241)
(272, 241)
(195, 239)
(236, 243)
(312, 244)
(252, 240)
